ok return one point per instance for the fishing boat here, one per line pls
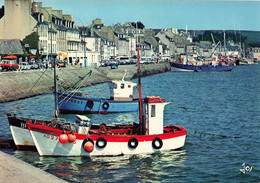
(179, 67)
(84, 139)
(193, 64)
(121, 100)
(20, 132)
(81, 139)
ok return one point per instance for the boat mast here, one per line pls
(139, 85)
(186, 44)
(140, 92)
(55, 79)
(225, 45)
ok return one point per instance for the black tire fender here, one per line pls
(155, 143)
(90, 104)
(101, 142)
(133, 143)
(105, 105)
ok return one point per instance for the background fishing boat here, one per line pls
(121, 100)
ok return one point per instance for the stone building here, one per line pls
(254, 54)
(58, 35)
(17, 21)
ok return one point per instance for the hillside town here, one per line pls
(95, 44)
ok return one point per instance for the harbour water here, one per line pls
(220, 110)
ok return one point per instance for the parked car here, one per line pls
(40, 65)
(9, 63)
(114, 66)
(61, 64)
(24, 66)
(34, 65)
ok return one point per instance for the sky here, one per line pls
(196, 14)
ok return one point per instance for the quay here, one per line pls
(18, 85)
(15, 170)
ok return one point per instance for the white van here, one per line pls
(24, 66)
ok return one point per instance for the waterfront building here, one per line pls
(100, 38)
(17, 21)
(254, 54)
(57, 32)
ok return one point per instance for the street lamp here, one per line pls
(84, 40)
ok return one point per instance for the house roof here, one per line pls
(11, 47)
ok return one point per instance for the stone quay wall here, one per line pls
(19, 85)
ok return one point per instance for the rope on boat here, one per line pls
(30, 91)
(58, 79)
(77, 86)
(212, 134)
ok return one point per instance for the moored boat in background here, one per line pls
(121, 100)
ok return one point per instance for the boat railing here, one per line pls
(44, 118)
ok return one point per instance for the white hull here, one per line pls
(49, 145)
(175, 69)
(22, 137)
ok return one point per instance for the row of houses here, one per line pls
(87, 45)
(60, 38)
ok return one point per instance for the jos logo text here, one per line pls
(246, 168)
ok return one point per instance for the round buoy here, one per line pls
(72, 137)
(63, 138)
(88, 146)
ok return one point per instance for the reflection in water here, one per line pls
(135, 168)
(215, 103)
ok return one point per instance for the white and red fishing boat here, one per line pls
(84, 139)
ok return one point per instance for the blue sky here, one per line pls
(196, 14)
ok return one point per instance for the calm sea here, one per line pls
(220, 110)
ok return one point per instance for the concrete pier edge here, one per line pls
(15, 170)
(18, 85)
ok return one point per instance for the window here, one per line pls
(152, 110)
(129, 86)
(122, 86)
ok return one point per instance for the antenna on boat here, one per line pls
(123, 79)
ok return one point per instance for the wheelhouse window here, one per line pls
(122, 86)
(152, 110)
